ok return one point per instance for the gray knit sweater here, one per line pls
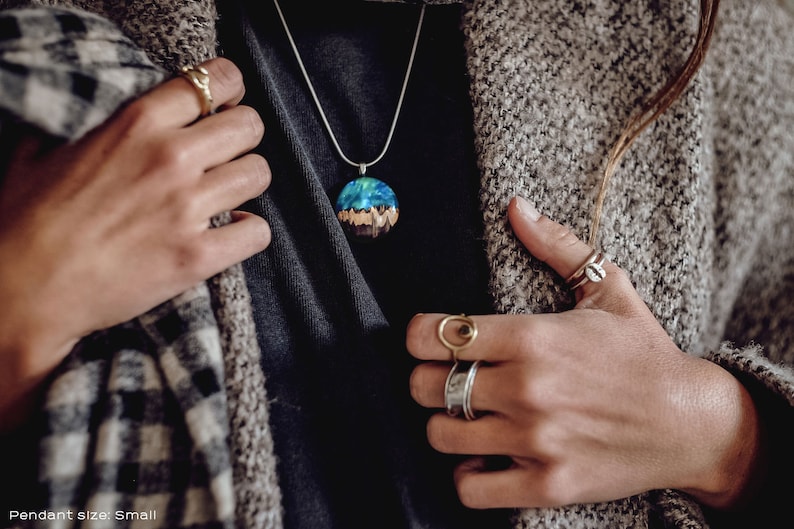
(700, 214)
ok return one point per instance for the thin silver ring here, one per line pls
(453, 390)
(591, 270)
(468, 412)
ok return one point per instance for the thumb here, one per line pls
(552, 243)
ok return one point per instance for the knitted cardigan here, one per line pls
(699, 214)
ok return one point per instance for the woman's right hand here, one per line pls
(96, 232)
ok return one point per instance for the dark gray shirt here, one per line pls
(331, 315)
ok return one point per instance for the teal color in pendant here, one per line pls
(367, 208)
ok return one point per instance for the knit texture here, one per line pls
(690, 214)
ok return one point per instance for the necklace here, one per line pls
(366, 207)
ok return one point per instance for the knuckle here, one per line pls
(559, 237)
(621, 298)
(139, 116)
(527, 395)
(534, 396)
(527, 335)
(529, 342)
(554, 488)
(185, 209)
(536, 441)
(527, 442)
(192, 259)
(226, 74)
(620, 276)
(173, 158)
(527, 392)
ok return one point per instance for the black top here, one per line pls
(331, 315)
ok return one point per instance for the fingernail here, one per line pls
(526, 209)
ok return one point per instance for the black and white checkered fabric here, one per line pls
(66, 71)
(135, 419)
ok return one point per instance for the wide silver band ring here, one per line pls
(458, 389)
(467, 332)
(199, 78)
(591, 270)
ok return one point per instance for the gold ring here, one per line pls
(467, 332)
(199, 77)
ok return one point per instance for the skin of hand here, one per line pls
(589, 405)
(96, 232)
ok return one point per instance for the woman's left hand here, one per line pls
(593, 404)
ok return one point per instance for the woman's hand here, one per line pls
(99, 231)
(593, 404)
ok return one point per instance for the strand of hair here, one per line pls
(655, 106)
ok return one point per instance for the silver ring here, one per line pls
(458, 389)
(591, 270)
(199, 78)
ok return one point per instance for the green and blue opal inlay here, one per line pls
(367, 208)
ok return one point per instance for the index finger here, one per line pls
(491, 343)
(179, 103)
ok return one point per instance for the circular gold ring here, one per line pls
(199, 77)
(467, 332)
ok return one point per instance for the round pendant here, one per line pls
(367, 208)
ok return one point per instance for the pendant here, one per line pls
(367, 209)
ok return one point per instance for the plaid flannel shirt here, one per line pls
(135, 419)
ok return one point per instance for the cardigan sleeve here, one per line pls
(753, 100)
(771, 386)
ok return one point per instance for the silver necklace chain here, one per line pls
(362, 167)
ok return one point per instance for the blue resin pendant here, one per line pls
(367, 209)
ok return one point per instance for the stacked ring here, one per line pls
(591, 270)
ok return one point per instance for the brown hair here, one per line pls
(656, 105)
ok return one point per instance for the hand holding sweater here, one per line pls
(590, 405)
(131, 199)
